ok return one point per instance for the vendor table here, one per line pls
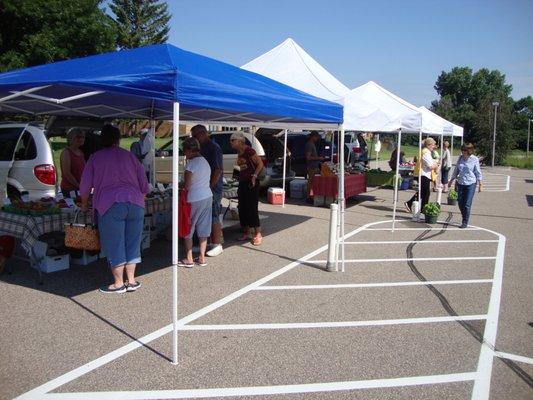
(28, 228)
(405, 170)
(327, 185)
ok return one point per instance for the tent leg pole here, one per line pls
(175, 203)
(419, 174)
(152, 150)
(284, 167)
(339, 212)
(342, 195)
(439, 175)
(395, 180)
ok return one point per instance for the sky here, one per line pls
(401, 44)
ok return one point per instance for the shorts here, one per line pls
(120, 230)
(201, 217)
(217, 207)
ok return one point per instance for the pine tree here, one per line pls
(140, 22)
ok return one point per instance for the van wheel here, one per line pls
(13, 193)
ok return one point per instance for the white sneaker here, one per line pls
(215, 251)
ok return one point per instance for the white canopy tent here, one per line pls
(291, 65)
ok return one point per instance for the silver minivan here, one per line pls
(26, 161)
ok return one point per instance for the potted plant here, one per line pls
(452, 197)
(431, 212)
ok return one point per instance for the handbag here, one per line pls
(184, 215)
(81, 236)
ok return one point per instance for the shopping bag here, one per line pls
(81, 236)
(184, 215)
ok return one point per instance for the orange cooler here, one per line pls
(275, 196)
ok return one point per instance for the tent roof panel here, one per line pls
(136, 79)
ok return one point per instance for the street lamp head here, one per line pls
(495, 103)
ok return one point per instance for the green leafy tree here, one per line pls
(466, 98)
(523, 111)
(34, 32)
(140, 22)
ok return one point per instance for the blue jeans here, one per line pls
(120, 231)
(465, 196)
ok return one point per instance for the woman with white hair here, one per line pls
(197, 178)
(427, 165)
(250, 165)
(72, 161)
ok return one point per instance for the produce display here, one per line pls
(45, 206)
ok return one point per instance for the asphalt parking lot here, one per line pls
(438, 313)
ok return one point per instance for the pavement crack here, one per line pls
(476, 334)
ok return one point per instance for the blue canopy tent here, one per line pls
(162, 82)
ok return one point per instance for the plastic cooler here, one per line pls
(275, 196)
(298, 188)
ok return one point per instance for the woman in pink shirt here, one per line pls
(119, 184)
(72, 162)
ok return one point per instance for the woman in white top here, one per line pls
(428, 164)
(197, 178)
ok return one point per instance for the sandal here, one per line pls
(185, 263)
(200, 264)
(257, 240)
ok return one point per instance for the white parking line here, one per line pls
(332, 324)
(424, 229)
(39, 391)
(514, 357)
(422, 241)
(373, 285)
(368, 260)
(267, 390)
(481, 390)
(480, 376)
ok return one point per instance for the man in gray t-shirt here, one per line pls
(312, 160)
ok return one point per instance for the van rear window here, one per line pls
(8, 140)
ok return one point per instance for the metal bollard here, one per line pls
(332, 243)
(415, 208)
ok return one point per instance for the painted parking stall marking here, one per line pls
(496, 182)
(480, 377)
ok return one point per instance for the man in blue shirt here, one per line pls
(212, 152)
(468, 175)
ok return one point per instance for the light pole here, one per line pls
(495, 104)
(528, 133)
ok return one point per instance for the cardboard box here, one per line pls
(59, 262)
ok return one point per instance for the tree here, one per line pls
(140, 22)
(466, 99)
(36, 32)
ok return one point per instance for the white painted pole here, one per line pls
(451, 148)
(175, 203)
(495, 104)
(284, 167)
(152, 151)
(332, 246)
(528, 135)
(342, 195)
(419, 173)
(339, 209)
(438, 184)
(395, 180)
